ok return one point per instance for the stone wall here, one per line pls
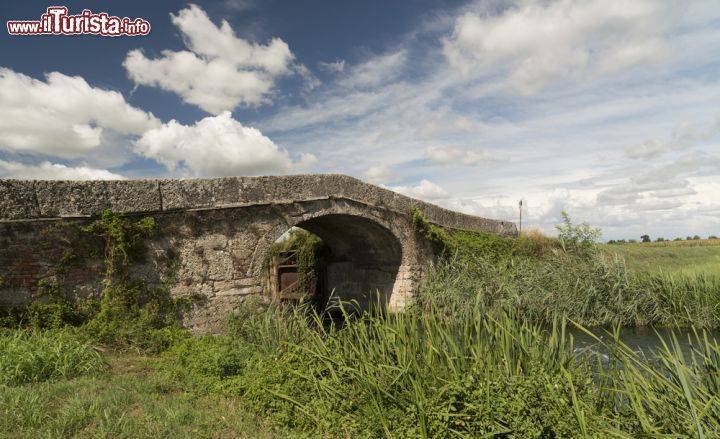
(214, 236)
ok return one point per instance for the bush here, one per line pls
(577, 238)
(467, 245)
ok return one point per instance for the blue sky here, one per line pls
(605, 108)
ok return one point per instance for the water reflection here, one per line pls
(643, 340)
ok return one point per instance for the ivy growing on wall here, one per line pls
(311, 254)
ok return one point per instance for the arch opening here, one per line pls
(360, 260)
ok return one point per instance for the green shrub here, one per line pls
(122, 239)
(577, 238)
(466, 245)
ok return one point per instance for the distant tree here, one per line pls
(645, 238)
(677, 239)
(712, 237)
(621, 241)
(660, 239)
(688, 238)
(696, 238)
(632, 241)
(612, 241)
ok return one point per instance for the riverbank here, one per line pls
(487, 350)
(419, 374)
(537, 276)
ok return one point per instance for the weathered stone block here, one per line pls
(17, 200)
(71, 198)
(127, 196)
(195, 194)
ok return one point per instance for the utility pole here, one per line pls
(520, 204)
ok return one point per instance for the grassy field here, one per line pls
(687, 257)
(124, 401)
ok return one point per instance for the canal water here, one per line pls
(644, 340)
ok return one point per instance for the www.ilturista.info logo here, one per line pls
(56, 21)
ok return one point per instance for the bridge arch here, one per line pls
(366, 256)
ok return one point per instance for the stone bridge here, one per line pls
(214, 236)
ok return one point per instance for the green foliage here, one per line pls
(51, 308)
(122, 239)
(466, 245)
(434, 373)
(439, 237)
(590, 291)
(311, 254)
(538, 276)
(132, 313)
(126, 402)
(135, 315)
(577, 238)
(32, 356)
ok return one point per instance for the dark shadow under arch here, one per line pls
(366, 257)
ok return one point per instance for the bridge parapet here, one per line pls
(43, 199)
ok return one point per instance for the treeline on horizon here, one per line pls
(647, 238)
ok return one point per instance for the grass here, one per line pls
(434, 373)
(682, 257)
(538, 276)
(424, 373)
(32, 356)
(485, 353)
(125, 402)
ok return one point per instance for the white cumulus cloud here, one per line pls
(379, 174)
(219, 71)
(62, 116)
(538, 42)
(425, 190)
(217, 146)
(54, 171)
